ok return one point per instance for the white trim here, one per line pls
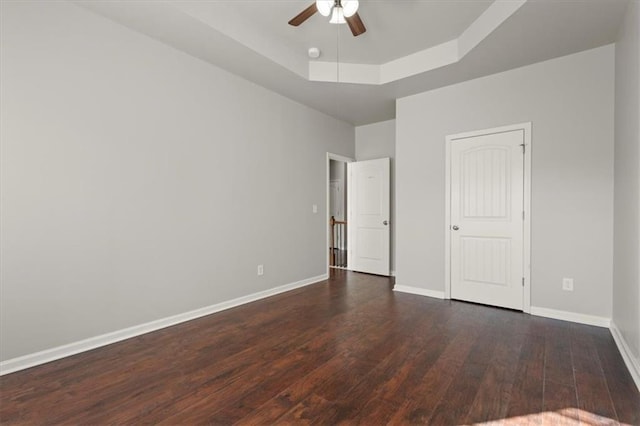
(447, 219)
(419, 291)
(526, 129)
(339, 157)
(48, 355)
(632, 363)
(571, 316)
(393, 273)
(485, 24)
(527, 218)
(342, 158)
(422, 61)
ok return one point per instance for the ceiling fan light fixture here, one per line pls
(349, 7)
(337, 17)
(324, 6)
(341, 12)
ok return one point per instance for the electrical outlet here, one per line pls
(314, 208)
(567, 284)
(260, 269)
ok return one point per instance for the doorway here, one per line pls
(337, 192)
(358, 214)
(488, 209)
(337, 214)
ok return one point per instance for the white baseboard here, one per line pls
(48, 355)
(571, 316)
(419, 291)
(632, 362)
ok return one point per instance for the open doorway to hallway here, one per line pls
(337, 213)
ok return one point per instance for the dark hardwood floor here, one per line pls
(347, 350)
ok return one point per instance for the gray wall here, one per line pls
(570, 103)
(378, 140)
(626, 249)
(139, 182)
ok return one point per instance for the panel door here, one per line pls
(487, 196)
(368, 208)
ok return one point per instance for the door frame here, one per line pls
(526, 128)
(336, 157)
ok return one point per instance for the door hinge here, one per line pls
(523, 147)
(522, 281)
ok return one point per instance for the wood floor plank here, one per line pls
(559, 396)
(313, 410)
(492, 398)
(327, 375)
(345, 351)
(411, 373)
(430, 390)
(456, 403)
(558, 358)
(527, 392)
(353, 399)
(594, 398)
(269, 386)
(623, 391)
(375, 412)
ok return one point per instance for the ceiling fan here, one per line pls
(341, 11)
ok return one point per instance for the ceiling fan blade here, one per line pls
(304, 15)
(356, 25)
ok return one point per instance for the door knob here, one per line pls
(386, 222)
(455, 227)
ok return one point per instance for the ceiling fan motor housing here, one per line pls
(349, 7)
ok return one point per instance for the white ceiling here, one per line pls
(393, 34)
(251, 38)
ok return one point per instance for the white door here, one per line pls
(487, 219)
(368, 210)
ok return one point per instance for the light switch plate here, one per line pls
(567, 284)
